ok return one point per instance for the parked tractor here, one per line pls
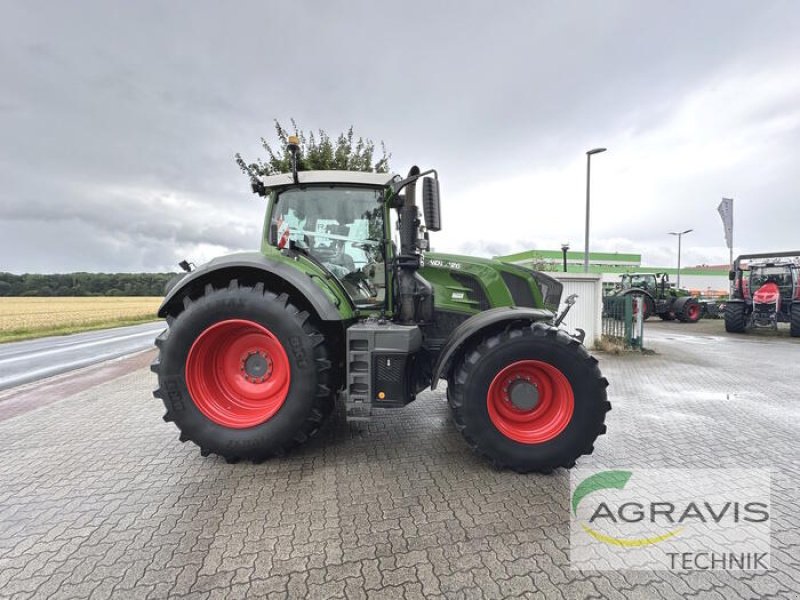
(345, 301)
(659, 297)
(765, 293)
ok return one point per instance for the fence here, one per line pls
(622, 320)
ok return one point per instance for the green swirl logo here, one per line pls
(612, 480)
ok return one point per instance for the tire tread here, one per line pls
(457, 388)
(323, 399)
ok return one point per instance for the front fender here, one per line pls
(480, 322)
(677, 306)
(638, 291)
(301, 282)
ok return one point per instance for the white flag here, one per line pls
(725, 209)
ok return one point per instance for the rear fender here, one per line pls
(256, 267)
(487, 320)
(639, 292)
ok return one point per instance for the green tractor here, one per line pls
(658, 297)
(345, 302)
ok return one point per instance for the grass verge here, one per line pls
(20, 335)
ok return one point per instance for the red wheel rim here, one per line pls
(553, 402)
(238, 373)
(694, 312)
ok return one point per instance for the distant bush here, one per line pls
(84, 284)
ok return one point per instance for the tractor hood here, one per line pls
(475, 284)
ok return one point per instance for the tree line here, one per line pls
(84, 284)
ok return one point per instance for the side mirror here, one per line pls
(731, 275)
(430, 204)
(571, 299)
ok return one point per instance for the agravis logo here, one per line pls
(611, 480)
(669, 518)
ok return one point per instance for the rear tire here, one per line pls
(564, 415)
(243, 373)
(649, 308)
(794, 326)
(735, 318)
(647, 302)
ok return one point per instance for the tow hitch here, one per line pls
(569, 302)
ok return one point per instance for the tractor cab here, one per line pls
(772, 279)
(643, 281)
(341, 228)
(655, 283)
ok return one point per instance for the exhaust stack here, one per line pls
(414, 293)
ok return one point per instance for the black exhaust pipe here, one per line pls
(414, 294)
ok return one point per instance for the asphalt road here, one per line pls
(24, 362)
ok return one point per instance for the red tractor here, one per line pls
(765, 293)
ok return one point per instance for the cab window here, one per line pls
(342, 228)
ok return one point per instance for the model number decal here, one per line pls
(435, 262)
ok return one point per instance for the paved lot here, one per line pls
(98, 498)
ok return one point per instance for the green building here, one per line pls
(703, 279)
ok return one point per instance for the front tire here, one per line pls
(690, 312)
(735, 318)
(794, 325)
(243, 373)
(667, 315)
(529, 399)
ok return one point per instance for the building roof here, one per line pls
(331, 176)
(607, 262)
(604, 257)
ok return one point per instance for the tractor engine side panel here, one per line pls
(381, 357)
(470, 285)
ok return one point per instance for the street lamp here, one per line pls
(680, 234)
(588, 179)
(564, 248)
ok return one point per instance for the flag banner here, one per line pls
(725, 209)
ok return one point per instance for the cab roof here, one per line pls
(282, 180)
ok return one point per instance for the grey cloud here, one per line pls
(159, 96)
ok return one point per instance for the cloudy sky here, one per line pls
(119, 121)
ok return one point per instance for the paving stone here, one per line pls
(98, 499)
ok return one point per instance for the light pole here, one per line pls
(588, 180)
(680, 234)
(564, 248)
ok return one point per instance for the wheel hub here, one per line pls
(523, 394)
(238, 373)
(530, 401)
(256, 366)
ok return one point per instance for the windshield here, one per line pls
(637, 281)
(782, 276)
(342, 228)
